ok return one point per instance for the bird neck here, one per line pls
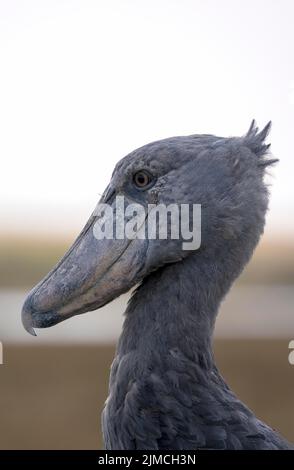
(165, 390)
(174, 309)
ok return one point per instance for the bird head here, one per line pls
(222, 177)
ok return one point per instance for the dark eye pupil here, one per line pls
(141, 179)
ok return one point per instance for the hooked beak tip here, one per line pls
(27, 321)
(31, 331)
(29, 328)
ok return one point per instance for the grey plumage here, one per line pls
(165, 390)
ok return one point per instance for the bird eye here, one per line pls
(142, 179)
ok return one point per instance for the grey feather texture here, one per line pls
(165, 390)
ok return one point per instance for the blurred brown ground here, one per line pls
(51, 397)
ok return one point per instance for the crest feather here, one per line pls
(254, 139)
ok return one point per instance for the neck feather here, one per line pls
(164, 386)
(174, 309)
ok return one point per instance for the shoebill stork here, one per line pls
(165, 389)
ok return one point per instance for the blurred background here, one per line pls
(82, 83)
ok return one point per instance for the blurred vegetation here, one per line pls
(24, 261)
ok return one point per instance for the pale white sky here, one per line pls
(84, 82)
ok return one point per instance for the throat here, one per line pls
(172, 315)
(165, 390)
